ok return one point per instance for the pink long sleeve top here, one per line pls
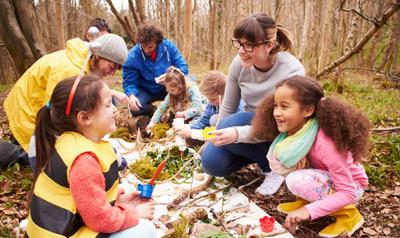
(344, 172)
(87, 186)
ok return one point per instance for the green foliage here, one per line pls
(146, 166)
(159, 130)
(180, 228)
(5, 87)
(380, 105)
(123, 133)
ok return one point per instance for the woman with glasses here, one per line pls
(262, 61)
(147, 61)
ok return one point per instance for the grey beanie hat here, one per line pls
(111, 47)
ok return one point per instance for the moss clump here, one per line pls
(145, 169)
(123, 133)
(159, 130)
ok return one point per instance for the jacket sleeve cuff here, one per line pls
(197, 134)
(243, 133)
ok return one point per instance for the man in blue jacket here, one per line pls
(147, 61)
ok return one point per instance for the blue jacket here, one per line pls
(139, 70)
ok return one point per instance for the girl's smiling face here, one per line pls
(173, 87)
(289, 114)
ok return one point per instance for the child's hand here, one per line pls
(132, 198)
(146, 210)
(185, 131)
(149, 126)
(295, 217)
(181, 114)
(224, 136)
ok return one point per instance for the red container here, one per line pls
(267, 224)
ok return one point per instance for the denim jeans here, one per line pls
(11, 153)
(223, 160)
(146, 99)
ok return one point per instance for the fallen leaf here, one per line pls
(369, 231)
(387, 230)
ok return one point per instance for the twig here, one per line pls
(274, 233)
(387, 129)
(200, 197)
(248, 184)
(220, 219)
(359, 13)
(395, 78)
(190, 192)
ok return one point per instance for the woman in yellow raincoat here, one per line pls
(31, 92)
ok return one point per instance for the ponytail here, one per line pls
(263, 124)
(284, 40)
(348, 127)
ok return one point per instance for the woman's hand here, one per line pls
(224, 136)
(185, 131)
(120, 96)
(146, 210)
(295, 217)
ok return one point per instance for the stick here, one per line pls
(248, 184)
(387, 129)
(190, 192)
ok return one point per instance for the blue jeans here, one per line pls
(223, 160)
(146, 99)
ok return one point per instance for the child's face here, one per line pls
(173, 88)
(290, 115)
(103, 118)
(107, 67)
(214, 99)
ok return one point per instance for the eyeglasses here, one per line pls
(248, 47)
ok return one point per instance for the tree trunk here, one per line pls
(178, 20)
(14, 40)
(8, 73)
(323, 57)
(28, 21)
(187, 30)
(52, 44)
(140, 9)
(124, 23)
(306, 25)
(60, 24)
(86, 6)
(212, 33)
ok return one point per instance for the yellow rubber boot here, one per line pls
(348, 220)
(287, 207)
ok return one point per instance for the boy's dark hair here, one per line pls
(100, 24)
(176, 77)
(259, 28)
(213, 83)
(148, 32)
(348, 127)
(52, 122)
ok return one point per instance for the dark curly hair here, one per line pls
(348, 127)
(148, 32)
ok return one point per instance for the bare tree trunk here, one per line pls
(86, 6)
(140, 9)
(13, 37)
(325, 33)
(178, 21)
(390, 57)
(60, 24)
(212, 33)
(306, 25)
(8, 73)
(187, 30)
(167, 18)
(28, 21)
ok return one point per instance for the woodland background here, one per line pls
(202, 29)
(351, 45)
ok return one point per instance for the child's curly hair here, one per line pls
(176, 78)
(348, 127)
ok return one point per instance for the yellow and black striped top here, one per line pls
(53, 211)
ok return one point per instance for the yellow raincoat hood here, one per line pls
(34, 88)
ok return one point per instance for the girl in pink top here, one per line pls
(327, 134)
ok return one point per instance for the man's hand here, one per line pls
(224, 136)
(134, 103)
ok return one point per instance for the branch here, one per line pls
(387, 129)
(134, 13)
(124, 25)
(359, 13)
(357, 48)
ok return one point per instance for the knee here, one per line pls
(211, 163)
(237, 119)
(293, 183)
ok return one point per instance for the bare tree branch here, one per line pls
(358, 47)
(125, 25)
(359, 13)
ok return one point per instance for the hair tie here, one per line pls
(322, 99)
(48, 105)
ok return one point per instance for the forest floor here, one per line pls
(379, 205)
